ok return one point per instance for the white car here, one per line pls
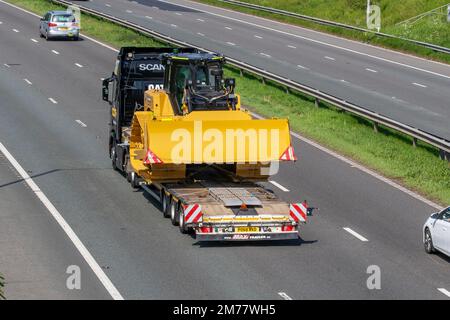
(436, 232)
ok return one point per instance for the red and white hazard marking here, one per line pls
(288, 155)
(151, 158)
(192, 213)
(298, 212)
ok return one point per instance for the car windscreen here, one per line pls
(63, 18)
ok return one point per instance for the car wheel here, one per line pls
(113, 157)
(40, 34)
(134, 180)
(428, 243)
(76, 38)
(47, 37)
(173, 213)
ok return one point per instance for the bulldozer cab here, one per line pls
(194, 82)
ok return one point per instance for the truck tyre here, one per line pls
(113, 156)
(134, 180)
(428, 243)
(165, 201)
(174, 212)
(181, 222)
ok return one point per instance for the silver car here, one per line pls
(59, 24)
(436, 232)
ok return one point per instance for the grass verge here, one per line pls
(345, 13)
(387, 152)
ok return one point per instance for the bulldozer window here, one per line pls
(182, 73)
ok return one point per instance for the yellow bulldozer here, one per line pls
(179, 132)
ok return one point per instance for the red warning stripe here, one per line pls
(151, 158)
(192, 213)
(298, 212)
(289, 155)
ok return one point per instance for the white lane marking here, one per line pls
(1, 22)
(81, 123)
(28, 81)
(108, 5)
(265, 55)
(7, 65)
(329, 58)
(302, 67)
(53, 101)
(109, 286)
(129, 11)
(345, 81)
(201, 20)
(371, 70)
(34, 40)
(300, 137)
(279, 186)
(173, 25)
(231, 43)
(444, 291)
(258, 37)
(200, 34)
(79, 65)
(55, 52)
(419, 85)
(178, 14)
(355, 234)
(228, 28)
(38, 16)
(291, 46)
(284, 296)
(322, 42)
(148, 17)
(15, 30)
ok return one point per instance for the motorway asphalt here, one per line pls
(410, 90)
(141, 253)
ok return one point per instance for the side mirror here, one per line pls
(105, 89)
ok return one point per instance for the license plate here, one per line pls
(63, 28)
(247, 229)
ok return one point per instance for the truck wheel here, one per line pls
(428, 243)
(173, 213)
(113, 156)
(134, 180)
(165, 200)
(181, 222)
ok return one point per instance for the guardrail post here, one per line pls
(287, 90)
(317, 102)
(241, 72)
(375, 127)
(444, 155)
(414, 142)
(263, 81)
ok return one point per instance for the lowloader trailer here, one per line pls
(178, 132)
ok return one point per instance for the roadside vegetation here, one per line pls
(433, 29)
(387, 151)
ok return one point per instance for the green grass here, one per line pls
(388, 152)
(352, 12)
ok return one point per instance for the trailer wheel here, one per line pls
(165, 200)
(181, 222)
(113, 156)
(174, 212)
(134, 181)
